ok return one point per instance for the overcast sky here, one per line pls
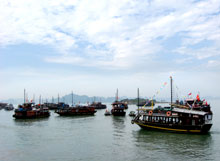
(95, 46)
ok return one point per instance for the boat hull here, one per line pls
(25, 116)
(118, 113)
(199, 129)
(100, 107)
(75, 113)
(78, 111)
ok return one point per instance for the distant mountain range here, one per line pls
(82, 99)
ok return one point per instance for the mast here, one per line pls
(40, 99)
(171, 88)
(58, 98)
(138, 100)
(24, 95)
(117, 95)
(72, 98)
(52, 100)
(33, 99)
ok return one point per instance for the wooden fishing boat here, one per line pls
(107, 113)
(118, 109)
(75, 110)
(98, 105)
(78, 110)
(9, 107)
(27, 111)
(3, 105)
(132, 113)
(55, 106)
(192, 117)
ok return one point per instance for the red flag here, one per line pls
(197, 97)
(190, 94)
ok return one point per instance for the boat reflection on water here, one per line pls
(29, 122)
(118, 126)
(118, 122)
(174, 145)
(77, 117)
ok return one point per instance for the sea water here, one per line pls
(101, 138)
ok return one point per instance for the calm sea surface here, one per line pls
(101, 138)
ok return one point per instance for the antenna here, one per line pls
(138, 99)
(72, 98)
(24, 95)
(33, 98)
(40, 99)
(171, 88)
(117, 95)
(58, 98)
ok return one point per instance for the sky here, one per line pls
(94, 47)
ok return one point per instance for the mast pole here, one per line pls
(117, 95)
(24, 95)
(171, 88)
(72, 98)
(52, 100)
(40, 100)
(58, 98)
(33, 99)
(138, 100)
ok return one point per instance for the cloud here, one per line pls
(111, 34)
(201, 53)
(213, 63)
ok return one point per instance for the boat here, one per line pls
(146, 103)
(2, 105)
(132, 113)
(9, 107)
(107, 113)
(193, 116)
(98, 105)
(28, 111)
(75, 110)
(118, 107)
(55, 106)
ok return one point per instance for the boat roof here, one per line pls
(118, 103)
(188, 111)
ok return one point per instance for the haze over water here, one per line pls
(101, 137)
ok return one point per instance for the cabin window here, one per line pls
(177, 120)
(170, 119)
(163, 118)
(167, 120)
(193, 122)
(209, 117)
(147, 118)
(141, 117)
(174, 120)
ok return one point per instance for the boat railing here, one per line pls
(180, 106)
